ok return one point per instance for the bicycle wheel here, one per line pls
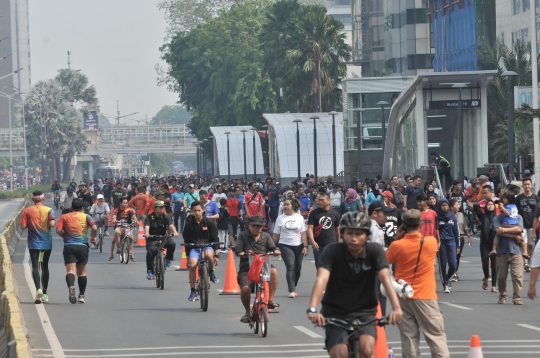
(162, 271)
(263, 317)
(56, 202)
(255, 319)
(100, 238)
(203, 281)
(157, 270)
(126, 251)
(121, 249)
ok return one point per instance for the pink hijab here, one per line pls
(352, 196)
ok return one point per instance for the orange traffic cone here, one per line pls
(475, 348)
(141, 241)
(381, 345)
(183, 261)
(230, 286)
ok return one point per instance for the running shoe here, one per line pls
(72, 297)
(213, 277)
(193, 296)
(453, 278)
(81, 298)
(44, 298)
(150, 275)
(106, 233)
(446, 289)
(39, 295)
(527, 268)
(168, 263)
(94, 246)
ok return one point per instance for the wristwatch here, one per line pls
(311, 310)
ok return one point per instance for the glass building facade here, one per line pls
(513, 21)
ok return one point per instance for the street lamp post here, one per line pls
(254, 154)
(314, 147)
(333, 114)
(228, 158)
(205, 141)
(460, 86)
(297, 121)
(511, 135)
(267, 142)
(244, 131)
(211, 139)
(198, 154)
(383, 123)
(359, 142)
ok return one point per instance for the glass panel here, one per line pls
(517, 6)
(404, 158)
(526, 5)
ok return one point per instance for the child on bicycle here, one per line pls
(123, 218)
(509, 209)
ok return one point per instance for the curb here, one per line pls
(10, 310)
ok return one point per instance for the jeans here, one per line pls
(515, 262)
(317, 254)
(447, 254)
(179, 225)
(485, 248)
(170, 245)
(292, 257)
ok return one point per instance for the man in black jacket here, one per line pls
(201, 230)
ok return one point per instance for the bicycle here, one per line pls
(202, 285)
(353, 329)
(100, 241)
(259, 311)
(471, 221)
(126, 238)
(159, 259)
(56, 199)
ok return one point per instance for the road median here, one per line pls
(13, 332)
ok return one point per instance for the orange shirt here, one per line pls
(473, 197)
(404, 253)
(429, 223)
(150, 205)
(139, 202)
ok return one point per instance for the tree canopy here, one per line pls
(172, 115)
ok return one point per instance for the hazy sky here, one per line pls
(114, 42)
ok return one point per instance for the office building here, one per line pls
(513, 21)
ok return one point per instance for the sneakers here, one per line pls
(454, 278)
(94, 246)
(527, 268)
(44, 298)
(72, 297)
(213, 277)
(168, 263)
(81, 298)
(193, 296)
(106, 233)
(39, 295)
(150, 275)
(446, 289)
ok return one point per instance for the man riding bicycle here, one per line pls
(348, 272)
(85, 195)
(258, 242)
(99, 212)
(156, 224)
(66, 200)
(200, 230)
(56, 188)
(123, 218)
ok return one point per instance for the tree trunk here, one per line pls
(67, 167)
(319, 86)
(58, 167)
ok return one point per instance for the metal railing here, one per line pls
(502, 174)
(436, 176)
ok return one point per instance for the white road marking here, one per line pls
(528, 326)
(465, 261)
(257, 352)
(219, 291)
(176, 267)
(456, 306)
(56, 347)
(308, 332)
(188, 347)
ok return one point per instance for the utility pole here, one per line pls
(69, 61)
(118, 113)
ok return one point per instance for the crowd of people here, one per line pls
(357, 233)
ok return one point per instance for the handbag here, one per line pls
(318, 229)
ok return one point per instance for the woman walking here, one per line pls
(291, 232)
(351, 202)
(487, 234)
(463, 231)
(449, 234)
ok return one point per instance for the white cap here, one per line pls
(100, 196)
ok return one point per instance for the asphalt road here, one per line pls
(126, 316)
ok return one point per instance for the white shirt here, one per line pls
(335, 198)
(217, 197)
(377, 233)
(289, 229)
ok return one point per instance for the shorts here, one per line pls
(76, 254)
(337, 335)
(195, 252)
(243, 281)
(527, 233)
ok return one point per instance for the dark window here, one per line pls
(416, 16)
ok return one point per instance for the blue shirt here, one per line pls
(507, 245)
(449, 230)
(178, 196)
(304, 201)
(241, 198)
(273, 197)
(211, 209)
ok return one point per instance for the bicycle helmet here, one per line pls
(355, 220)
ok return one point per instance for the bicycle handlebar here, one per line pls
(206, 244)
(159, 237)
(355, 324)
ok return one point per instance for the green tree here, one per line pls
(76, 84)
(172, 115)
(219, 69)
(161, 163)
(305, 52)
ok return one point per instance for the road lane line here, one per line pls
(212, 353)
(308, 332)
(456, 306)
(56, 347)
(188, 347)
(528, 326)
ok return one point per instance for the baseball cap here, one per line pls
(412, 217)
(100, 196)
(278, 183)
(191, 186)
(388, 194)
(378, 205)
(256, 220)
(159, 203)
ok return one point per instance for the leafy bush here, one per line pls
(21, 193)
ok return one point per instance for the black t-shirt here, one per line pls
(527, 208)
(246, 242)
(168, 208)
(412, 193)
(107, 190)
(87, 198)
(459, 198)
(495, 180)
(393, 221)
(117, 194)
(330, 220)
(352, 287)
(158, 224)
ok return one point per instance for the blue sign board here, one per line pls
(523, 94)
(137, 156)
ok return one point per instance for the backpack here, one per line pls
(398, 197)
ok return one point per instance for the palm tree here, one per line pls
(78, 91)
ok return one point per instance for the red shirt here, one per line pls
(254, 203)
(482, 204)
(233, 206)
(429, 223)
(139, 202)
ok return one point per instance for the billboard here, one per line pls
(90, 121)
(523, 94)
